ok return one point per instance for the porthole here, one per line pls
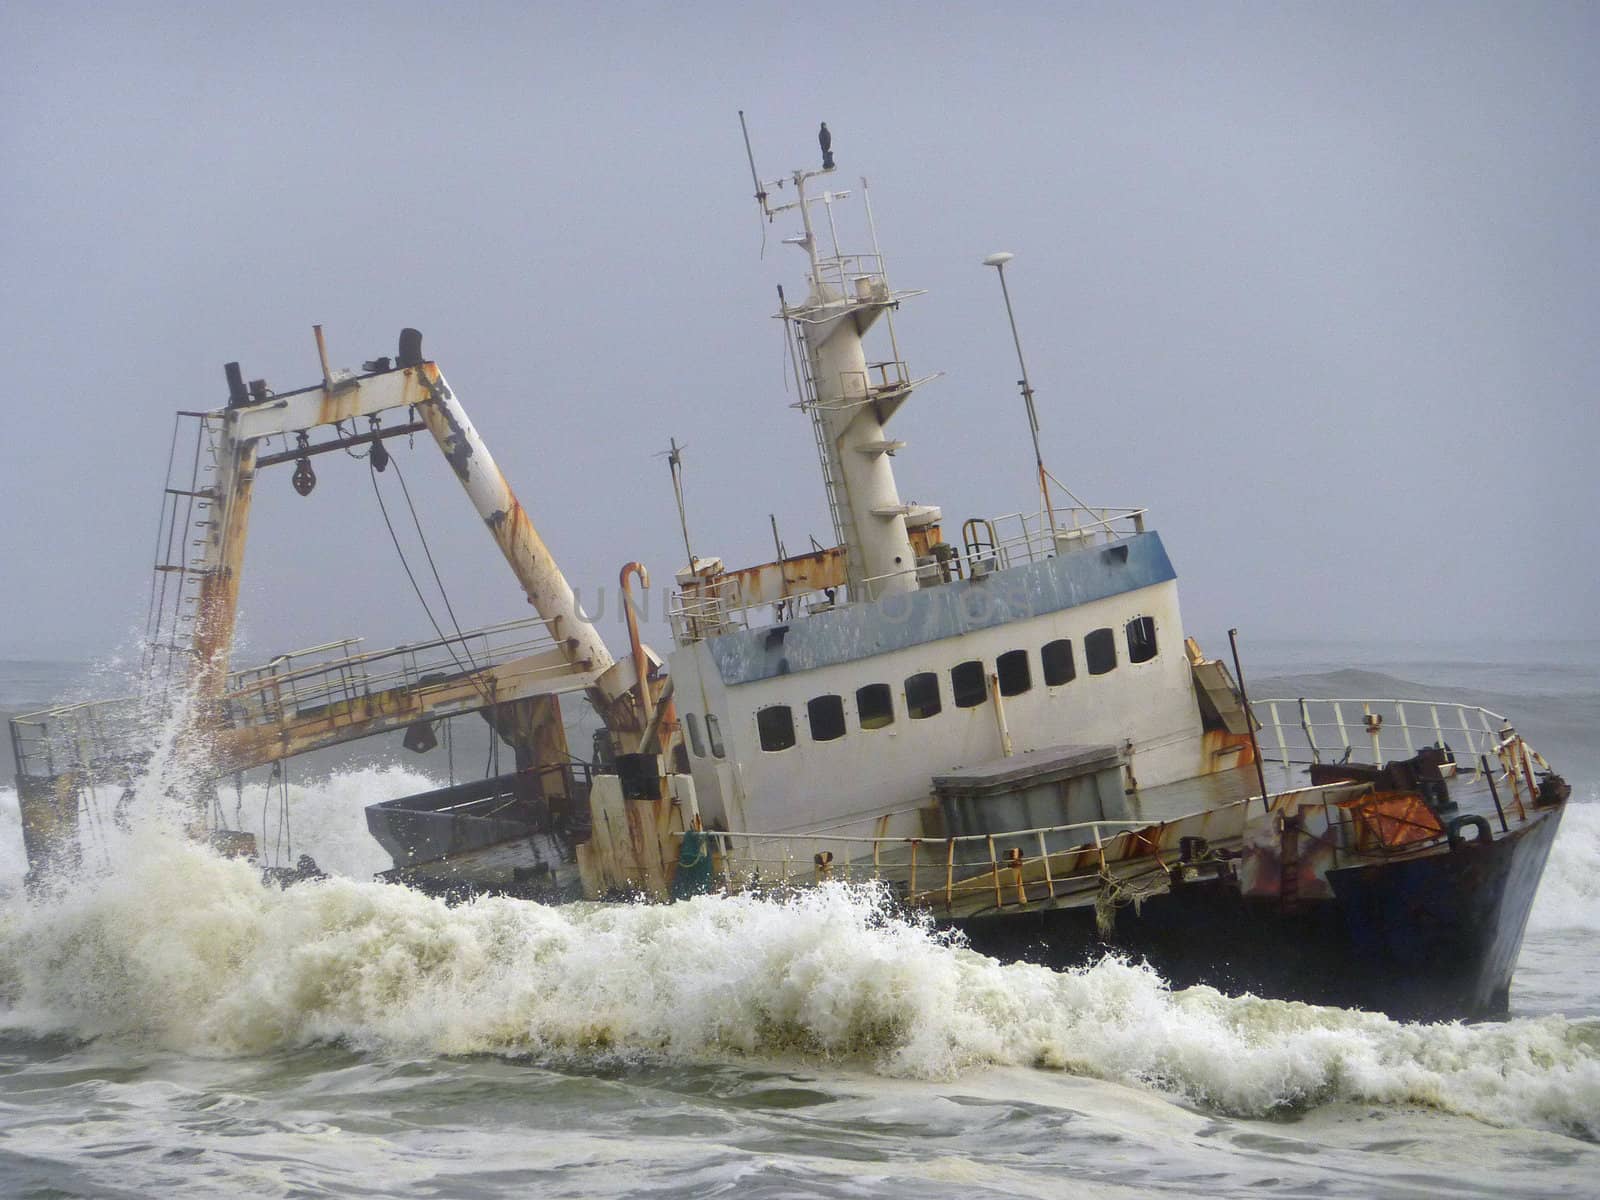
(967, 686)
(1141, 639)
(1056, 658)
(775, 724)
(1100, 651)
(875, 706)
(922, 695)
(1013, 672)
(826, 716)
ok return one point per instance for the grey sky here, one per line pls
(1316, 283)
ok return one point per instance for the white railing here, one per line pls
(1018, 538)
(1012, 540)
(1312, 730)
(1307, 731)
(851, 279)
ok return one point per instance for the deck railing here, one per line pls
(844, 280)
(98, 735)
(1025, 537)
(1014, 539)
(1305, 730)
(304, 681)
(1018, 866)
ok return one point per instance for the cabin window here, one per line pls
(714, 736)
(1056, 657)
(1141, 639)
(826, 714)
(875, 706)
(699, 747)
(967, 686)
(1100, 651)
(922, 695)
(1013, 672)
(775, 724)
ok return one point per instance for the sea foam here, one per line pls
(1569, 892)
(182, 949)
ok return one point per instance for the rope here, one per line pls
(266, 800)
(492, 764)
(1115, 894)
(283, 818)
(423, 538)
(421, 599)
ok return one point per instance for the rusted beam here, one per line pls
(363, 395)
(358, 716)
(222, 560)
(344, 443)
(530, 559)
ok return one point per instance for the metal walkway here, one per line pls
(307, 700)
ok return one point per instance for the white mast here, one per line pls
(851, 400)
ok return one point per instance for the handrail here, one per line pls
(907, 840)
(270, 692)
(708, 609)
(980, 874)
(268, 669)
(1298, 739)
(55, 739)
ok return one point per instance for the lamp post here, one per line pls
(998, 261)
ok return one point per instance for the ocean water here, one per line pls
(176, 1028)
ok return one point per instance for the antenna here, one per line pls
(761, 192)
(675, 465)
(998, 261)
(877, 253)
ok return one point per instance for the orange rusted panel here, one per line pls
(1392, 820)
(1223, 751)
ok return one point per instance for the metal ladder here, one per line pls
(837, 512)
(188, 506)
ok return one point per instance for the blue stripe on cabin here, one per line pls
(950, 610)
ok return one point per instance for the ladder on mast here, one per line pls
(830, 485)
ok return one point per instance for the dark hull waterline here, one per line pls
(1430, 938)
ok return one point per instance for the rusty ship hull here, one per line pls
(1430, 937)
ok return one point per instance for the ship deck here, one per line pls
(1469, 789)
(1073, 865)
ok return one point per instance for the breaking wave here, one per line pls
(13, 860)
(327, 818)
(183, 949)
(1569, 893)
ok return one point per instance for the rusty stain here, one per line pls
(796, 575)
(1222, 751)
